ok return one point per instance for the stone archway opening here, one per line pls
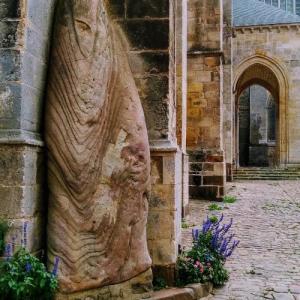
(257, 119)
(261, 93)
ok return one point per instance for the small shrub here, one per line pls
(3, 231)
(24, 277)
(229, 199)
(213, 219)
(205, 261)
(214, 206)
(159, 283)
(184, 224)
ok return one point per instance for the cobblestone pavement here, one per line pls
(267, 221)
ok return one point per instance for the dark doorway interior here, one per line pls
(257, 127)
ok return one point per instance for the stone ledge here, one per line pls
(191, 292)
(163, 146)
(20, 137)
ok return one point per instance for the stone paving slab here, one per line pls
(267, 221)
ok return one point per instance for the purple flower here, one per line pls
(13, 244)
(195, 234)
(55, 268)
(25, 234)
(8, 251)
(219, 222)
(28, 267)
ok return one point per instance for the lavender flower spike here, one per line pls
(55, 268)
(8, 251)
(195, 234)
(25, 234)
(28, 267)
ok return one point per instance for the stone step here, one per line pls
(266, 174)
(267, 171)
(190, 292)
(265, 178)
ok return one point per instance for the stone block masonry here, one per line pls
(205, 82)
(25, 30)
(204, 129)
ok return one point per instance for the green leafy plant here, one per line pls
(205, 262)
(3, 231)
(213, 219)
(184, 224)
(229, 199)
(24, 277)
(214, 206)
(159, 283)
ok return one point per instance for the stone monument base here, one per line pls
(137, 288)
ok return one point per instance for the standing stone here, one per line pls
(98, 153)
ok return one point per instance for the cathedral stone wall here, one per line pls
(282, 45)
(25, 32)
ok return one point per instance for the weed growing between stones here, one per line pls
(205, 262)
(229, 199)
(214, 206)
(213, 219)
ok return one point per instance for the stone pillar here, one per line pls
(181, 95)
(25, 31)
(228, 102)
(205, 99)
(151, 27)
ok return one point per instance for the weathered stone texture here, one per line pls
(204, 111)
(147, 26)
(165, 210)
(204, 25)
(137, 288)
(21, 189)
(99, 158)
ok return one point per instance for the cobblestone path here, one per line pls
(267, 221)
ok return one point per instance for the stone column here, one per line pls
(228, 102)
(25, 29)
(205, 99)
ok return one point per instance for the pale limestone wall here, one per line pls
(281, 43)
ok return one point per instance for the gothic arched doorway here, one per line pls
(257, 119)
(261, 93)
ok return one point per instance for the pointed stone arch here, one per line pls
(271, 74)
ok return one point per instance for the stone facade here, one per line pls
(278, 45)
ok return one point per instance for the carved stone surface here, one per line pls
(98, 153)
